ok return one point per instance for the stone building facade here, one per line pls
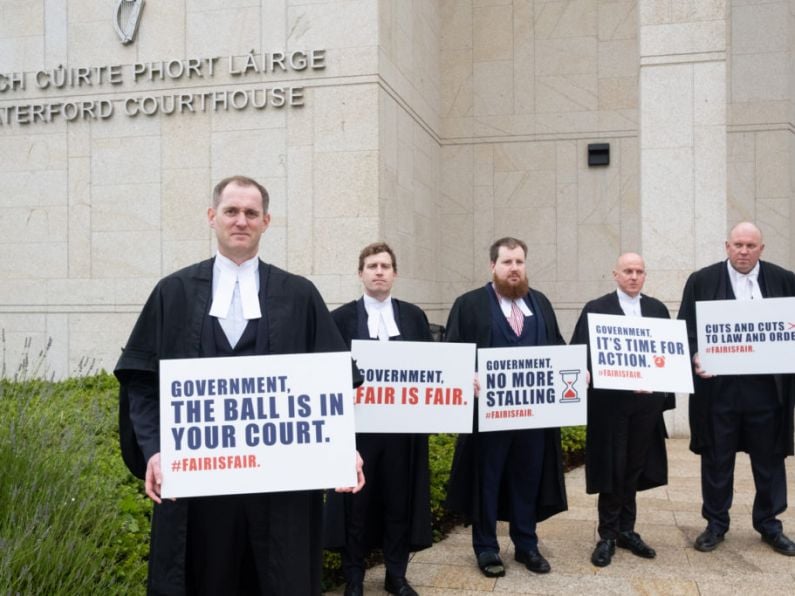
(436, 125)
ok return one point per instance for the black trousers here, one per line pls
(635, 418)
(745, 415)
(511, 460)
(257, 544)
(385, 498)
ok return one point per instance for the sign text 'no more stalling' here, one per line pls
(531, 387)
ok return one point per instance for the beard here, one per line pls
(509, 290)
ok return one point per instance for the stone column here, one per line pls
(683, 112)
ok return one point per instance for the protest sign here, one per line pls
(742, 337)
(531, 387)
(253, 424)
(414, 387)
(639, 353)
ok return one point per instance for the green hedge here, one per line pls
(572, 442)
(72, 518)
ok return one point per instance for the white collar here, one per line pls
(370, 302)
(505, 304)
(743, 290)
(629, 304)
(227, 274)
(378, 311)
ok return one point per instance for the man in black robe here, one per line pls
(625, 437)
(514, 475)
(751, 413)
(393, 510)
(232, 305)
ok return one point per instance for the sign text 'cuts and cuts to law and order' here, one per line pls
(740, 337)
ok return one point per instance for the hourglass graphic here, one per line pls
(570, 394)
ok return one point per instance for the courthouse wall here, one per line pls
(760, 129)
(410, 151)
(526, 85)
(436, 125)
(95, 211)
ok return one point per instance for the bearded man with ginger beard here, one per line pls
(514, 475)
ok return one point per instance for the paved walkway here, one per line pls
(669, 519)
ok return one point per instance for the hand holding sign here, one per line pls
(697, 368)
(154, 478)
(360, 481)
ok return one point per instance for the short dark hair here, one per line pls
(507, 242)
(374, 249)
(240, 181)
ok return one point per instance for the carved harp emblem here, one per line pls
(127, 16)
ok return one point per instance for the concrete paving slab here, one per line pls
(669, 519)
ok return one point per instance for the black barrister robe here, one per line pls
(470, 322)
(295, 320)
(413, 326)
(600, 451)
(713, 283)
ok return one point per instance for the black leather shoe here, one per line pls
(533, 560)
(490, 564)
(781, 544)
(632, 541)
(354, 589)
(399, 586)
(603, 553)
(707, 541)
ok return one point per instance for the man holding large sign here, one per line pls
(232, 305)
(731, 413)
(393, 510)
(514, 475)
(625, 438)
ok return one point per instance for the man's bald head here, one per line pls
(745, 227)
(630, 273)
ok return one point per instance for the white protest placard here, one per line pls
(531, 387)
(742, 337)
(252, 424)
(639, 353)
(414, 386)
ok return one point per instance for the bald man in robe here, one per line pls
(731, 413)
(625, 440)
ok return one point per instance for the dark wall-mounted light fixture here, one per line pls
(598, 154)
